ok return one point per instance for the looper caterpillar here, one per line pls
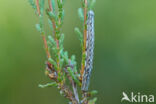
(89, 51)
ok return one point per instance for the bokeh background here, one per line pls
(125, 51)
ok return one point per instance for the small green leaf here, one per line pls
(49, 44)
(60, 77)
(61, 62)
(41, 3)
(79, 34)
(54, 49)
(73, 58)
(94, 92)
(62, 15)
(53, 63)
(73, 62)
(32, 3)
(61, 40)
(53, 5)
(65, 56)
(38, 27)
(52, 15)
(73, 76)
(48, 85)
(52, 41)
(81, 15)
(41, 21)
(92, 101)
(50, 24)
(59, 4)
(91, 4)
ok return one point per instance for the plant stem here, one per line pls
(53, 22)
(54, 32)
(43, 35)
(38, 7)
(74, 86)
(61, 67)
(84, 39)
(46, 46)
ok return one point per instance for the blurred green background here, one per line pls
(125, 51)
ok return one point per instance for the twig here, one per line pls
(65, 90)
(68, 94)
(84, 40)
(38, 7)
(54, 32)
(45, 45)
(53, 22)
(73, 83)
(43, 35)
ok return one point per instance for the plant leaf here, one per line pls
(79, 34)
(80, 14)
(48, 85)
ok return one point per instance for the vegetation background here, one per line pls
(125, 51)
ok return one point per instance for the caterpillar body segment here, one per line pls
(89, 51)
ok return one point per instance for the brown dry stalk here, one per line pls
(46, 46)
(38, 7)
(84, 38)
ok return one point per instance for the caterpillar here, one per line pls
(89, 51)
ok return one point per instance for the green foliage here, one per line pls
(59, 66)
(91, 4)
(61, 62)
(59, 4)
(53, 5)
(52, 41)
(48, 85)
(74, 64)
(80, 35)
(82, 3)
(41, 3)
(52, 15)
(94, 92)
(65, 57)
(32, 3)
(73, 76)
(83, 57)
(60, 78)
(92, 101)
(61, 40)
(41, 23)
(50, 24)
(38, 27)
(53, 63)
(80, 14)
(62, 15)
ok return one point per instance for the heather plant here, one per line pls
(61, 68)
